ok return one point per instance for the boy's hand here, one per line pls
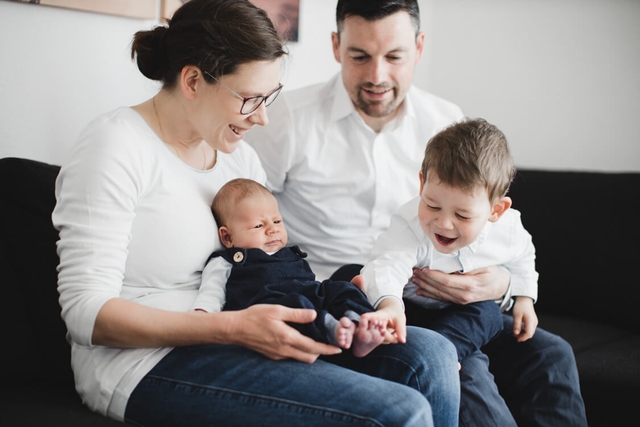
(524, 315)
(397, 326)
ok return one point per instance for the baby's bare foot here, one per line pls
(369, 335)
(344, 332)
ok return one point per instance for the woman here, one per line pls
(135, 231)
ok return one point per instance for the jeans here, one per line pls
(538, 379)
(415, 384)
(469, 327)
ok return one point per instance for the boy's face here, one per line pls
(451, 217)
(256, 223)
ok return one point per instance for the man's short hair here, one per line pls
(373, 10)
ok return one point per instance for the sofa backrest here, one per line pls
(34, 333)
(583, 225)
(586, 231)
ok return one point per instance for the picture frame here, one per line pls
(142, 9)
(285, 14)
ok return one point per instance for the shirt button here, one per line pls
(238, 257)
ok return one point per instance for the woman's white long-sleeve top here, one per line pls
(135, 223)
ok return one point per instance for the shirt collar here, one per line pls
(473, 247)
(342, 105)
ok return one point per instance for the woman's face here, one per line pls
(221, 124)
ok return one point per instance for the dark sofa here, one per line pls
(583, 226)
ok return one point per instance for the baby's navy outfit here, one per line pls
(285, 278)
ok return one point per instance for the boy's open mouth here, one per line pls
(445, 241)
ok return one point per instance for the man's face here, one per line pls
(378, 59)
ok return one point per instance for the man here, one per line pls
(342, 156)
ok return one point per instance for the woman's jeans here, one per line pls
(412, 384)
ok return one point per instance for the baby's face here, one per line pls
(452, 218)
(257, 223)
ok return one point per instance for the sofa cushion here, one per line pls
(41, 406)
(28, 261)
(586, 235)
(608, 360)
(37, 382)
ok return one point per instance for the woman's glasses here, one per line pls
(251, 103)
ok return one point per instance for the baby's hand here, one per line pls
(524, 315)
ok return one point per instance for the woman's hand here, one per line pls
(262, 328)
(490, 283)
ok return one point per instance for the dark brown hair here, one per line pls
(374, 10)
(215, 35)
(469, 153)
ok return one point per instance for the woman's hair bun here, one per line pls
(149, 51)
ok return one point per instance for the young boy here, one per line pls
(258, 268)
(461, 221)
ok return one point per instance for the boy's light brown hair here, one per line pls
(228, 197)
(469, 153)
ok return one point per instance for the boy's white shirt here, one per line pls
(405, 245)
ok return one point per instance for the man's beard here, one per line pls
(377, 109)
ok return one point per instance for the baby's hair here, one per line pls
(469, 153)
(232, 193)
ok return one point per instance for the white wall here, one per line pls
(560, 77)
(60, 68)
(311, 58)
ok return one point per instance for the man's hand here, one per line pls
(490, 283)
(524, 315)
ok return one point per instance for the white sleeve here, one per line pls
(391, 262)
(524, 277)
(96, 192)
(211, 297)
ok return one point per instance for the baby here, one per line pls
(258, 268)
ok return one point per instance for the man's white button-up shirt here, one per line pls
(336, 180)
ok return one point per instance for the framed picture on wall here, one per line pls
(283, 13)
(144, 9)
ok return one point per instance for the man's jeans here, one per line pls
(537, 378)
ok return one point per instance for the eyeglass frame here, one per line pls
(265, 98)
